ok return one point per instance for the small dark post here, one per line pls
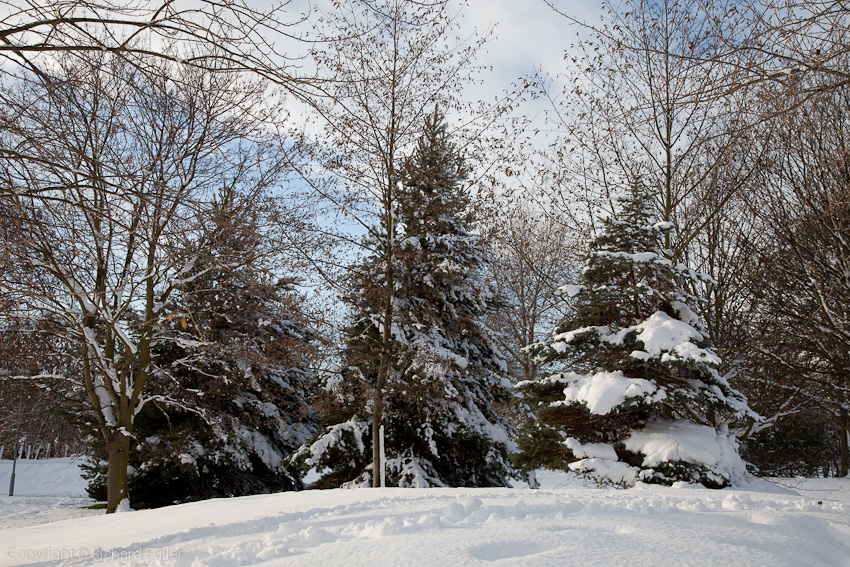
(17, 441)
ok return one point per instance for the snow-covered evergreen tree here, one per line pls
(231, 370)
(446, 375)
(640, 397)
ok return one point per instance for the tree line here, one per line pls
(239, 246)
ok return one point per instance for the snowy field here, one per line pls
(803, 522)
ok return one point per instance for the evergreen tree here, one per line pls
(446, 375)
(640, 397)
(231, 374)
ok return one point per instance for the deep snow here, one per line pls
(805, 522)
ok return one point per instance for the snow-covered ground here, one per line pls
(804, 522)
(45, 491)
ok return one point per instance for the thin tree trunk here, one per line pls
(843, 443)
(383, 371)
(389, 290)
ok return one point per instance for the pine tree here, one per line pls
(640, 397)
(446, 375)
(231, 374)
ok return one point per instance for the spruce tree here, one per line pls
(446, 375)
(639, 397)
(231, 373)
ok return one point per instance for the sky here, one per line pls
(529, 34)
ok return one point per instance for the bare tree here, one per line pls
(735, 249)
(805, 210)
(800, 47)
(29, 416)
(246, 38)
(532, 259)
(109, 168)
(632, 108)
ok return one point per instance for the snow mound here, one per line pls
(664, 334)
(603, 391)
(662, 441)
(607, 471)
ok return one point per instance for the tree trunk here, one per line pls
(118, 447)
(383, 371)
(843, 443)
